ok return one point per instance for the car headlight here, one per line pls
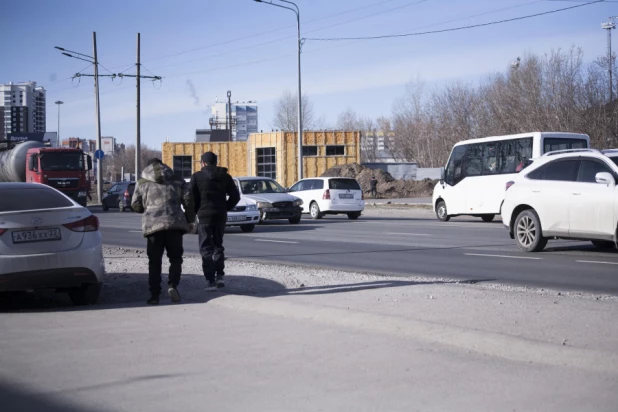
(264, 205)
(251, 208)
(298, 202)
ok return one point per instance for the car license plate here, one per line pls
(37, 235)
(346, 196)
(235, 218)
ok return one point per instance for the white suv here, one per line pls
(330, 195)
(568, 194)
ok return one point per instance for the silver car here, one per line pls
(273, 201)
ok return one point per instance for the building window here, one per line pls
(267, 162)
(335, 150)
(183, 166)
(310, 150)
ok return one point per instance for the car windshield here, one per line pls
(62, 161)
(260, 186)
(15, 200)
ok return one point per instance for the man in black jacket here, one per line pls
(211, 187)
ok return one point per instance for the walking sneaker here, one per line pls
(220, 282)
(173, 292)
(212, 286)
(154, 300)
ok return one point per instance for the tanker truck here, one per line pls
(65, 169)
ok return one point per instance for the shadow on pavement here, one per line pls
(13, 399)
(130, 290)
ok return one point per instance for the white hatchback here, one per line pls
(330, 195)
(569, 194)
(48, 241)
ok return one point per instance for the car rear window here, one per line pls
(615, 160)
(343, 184)
(15, 200)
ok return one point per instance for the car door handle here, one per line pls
(577, 194)
(536, 191)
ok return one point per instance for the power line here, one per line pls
(342, 45)
(386, 36)
(290, 37)
(270, 31)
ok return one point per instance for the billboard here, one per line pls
(23, 137)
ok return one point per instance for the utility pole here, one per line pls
(296, 10)
(98, 109)
(138, 78)
(229, 115)
(58, 102)
(94, 60)
(138, 136)
(609, 26)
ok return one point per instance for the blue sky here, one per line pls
(250, 49)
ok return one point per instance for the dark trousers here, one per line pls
(158, 242)
(374, 192)
(211, 248)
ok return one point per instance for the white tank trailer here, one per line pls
(13, 161)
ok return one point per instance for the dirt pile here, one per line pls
(388, 187)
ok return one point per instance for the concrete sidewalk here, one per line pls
(287, 338)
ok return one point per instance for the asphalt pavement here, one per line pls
(404, 243)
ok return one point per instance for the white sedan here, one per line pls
(245, 214)
(48, 241)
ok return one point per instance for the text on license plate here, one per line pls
(346, 196)
(235, 218)
(37, 235)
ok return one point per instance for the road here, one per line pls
(405, 243)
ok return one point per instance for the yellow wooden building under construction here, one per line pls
(269, 154)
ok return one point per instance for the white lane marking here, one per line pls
(135, 231)
(274, 241)
(408, 234)
(503, 256)
(595, 261)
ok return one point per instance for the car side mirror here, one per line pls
(89, 162)
(442, 174)
(31, 163)
(605, 178)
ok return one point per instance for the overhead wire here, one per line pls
(385, 36)
(294, 36)
(345, 44)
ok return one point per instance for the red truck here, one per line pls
(65, 169)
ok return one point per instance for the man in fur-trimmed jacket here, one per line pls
(159, 196)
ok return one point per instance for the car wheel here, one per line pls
(488, 218)
(247, 228)
(86, 294)
(121, 206)
(104, 207)
(528, 232)
(314, 211)
(354, 216)
(294, 220)
(441, 212)
(603, 244)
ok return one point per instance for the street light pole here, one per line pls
(609, 26)
(300, 110)
(58, 102)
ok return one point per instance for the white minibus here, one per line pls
(474, 179)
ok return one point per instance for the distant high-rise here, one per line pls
(22, 108)
(244, 118)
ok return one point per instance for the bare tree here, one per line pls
(286, 112)
(125, 158)
(553, 92)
